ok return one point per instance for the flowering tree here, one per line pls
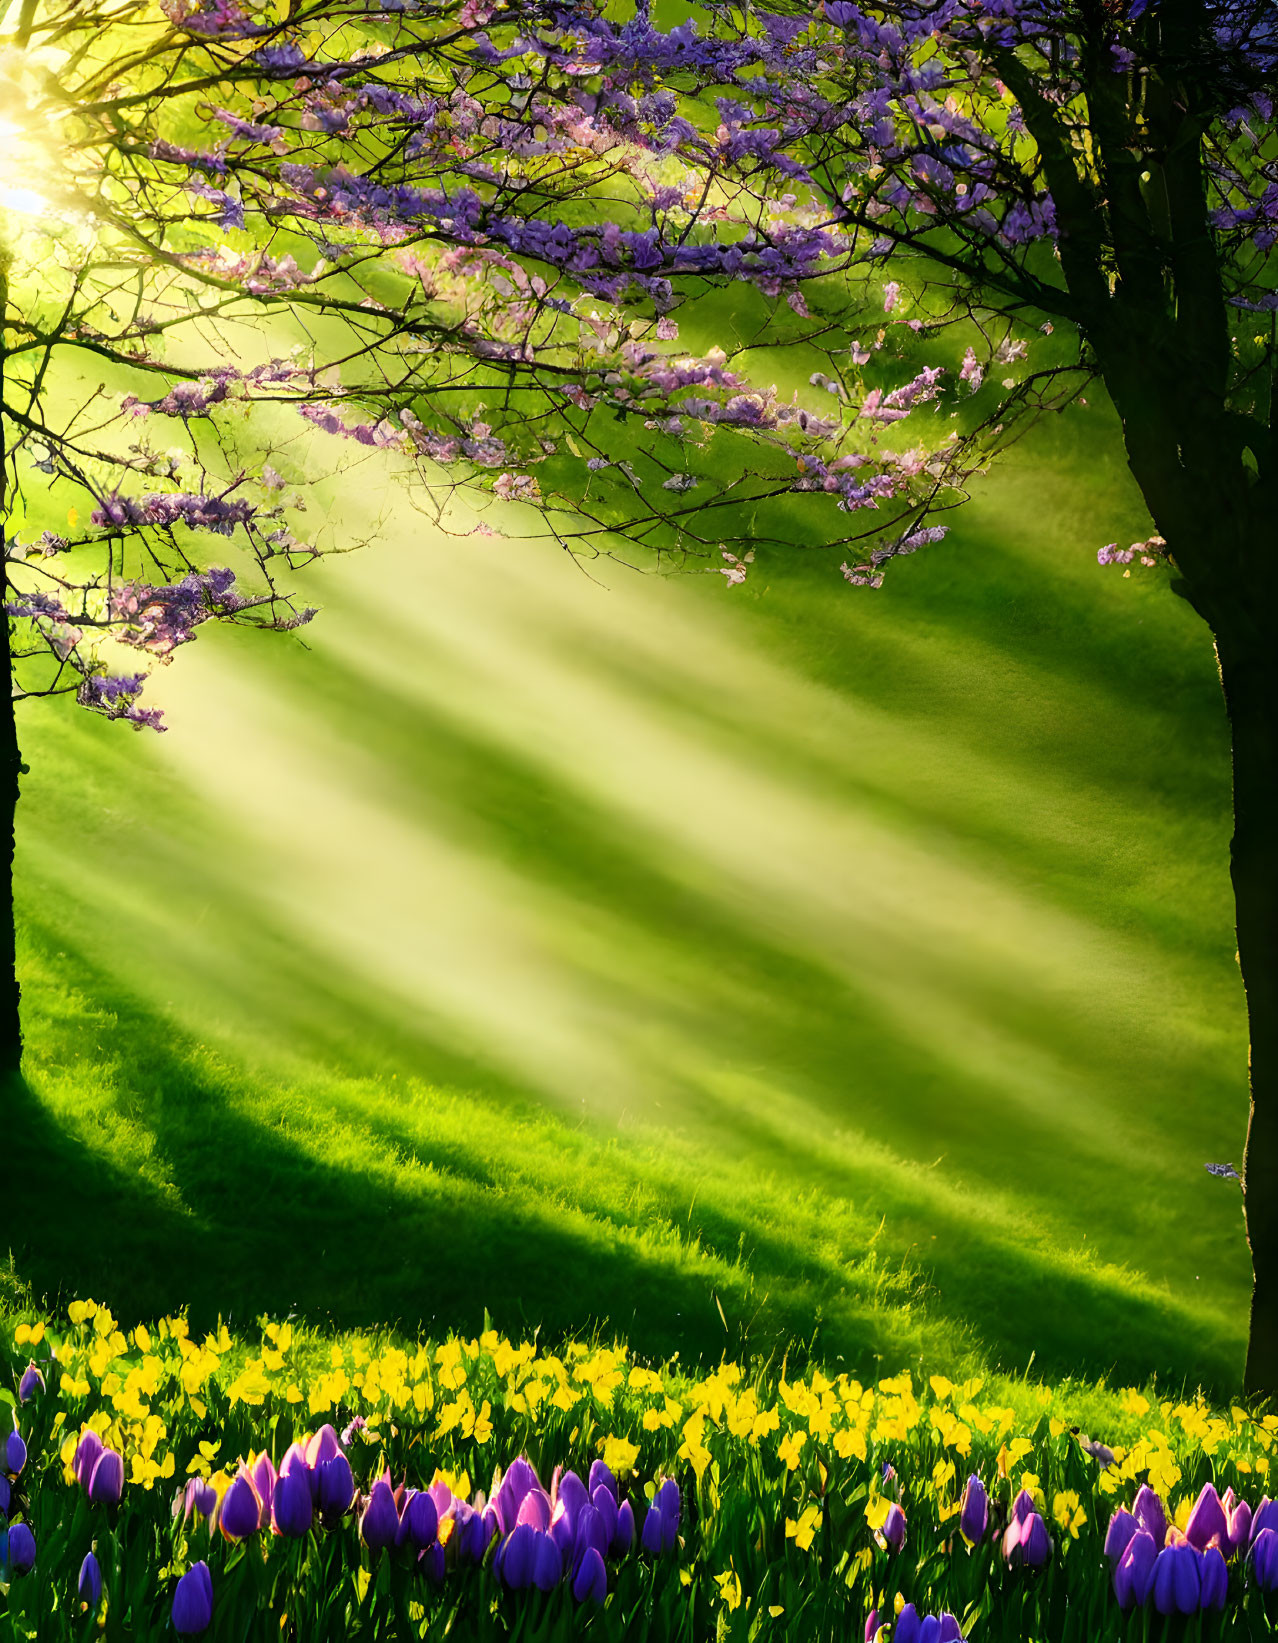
(471, 233)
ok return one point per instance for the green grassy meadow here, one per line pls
(786, 966)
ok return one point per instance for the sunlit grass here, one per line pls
(653, 948)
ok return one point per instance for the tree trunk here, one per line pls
(1249, 673)
(10, 766)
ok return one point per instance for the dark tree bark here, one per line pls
(1248, 657)
(10, 767)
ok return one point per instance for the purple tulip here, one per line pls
(1239, 1517)
(975, 1514)
(291, 1506)
(872, 1626)
(32, 1382)
(534, 1508)
(590, 1583)
(472, 1534)
(1122, 1526)
(650, 1540)
(1027, 1541)
(336, 1486)
(262, 1475)
(516, 1556)
(86, 1457)
(1214, 1575)
(1147, 1509)
(1208, 1525)
(240, 1513)
(1036, 1545)
(15, 1452)
(198, 1499)
(430, 1560)
(1264, 1517)
(419, 1521)
(22, 1549)
(592, 1533)
(624, 1538)
(548, 1566)
(6, 1495)
(1177, 1579)
(106, 1481)
(1134, 1575)
(893, 1529)
(1264, 1559)
(666, 1503)
(193, 1600)
(89, 1584)
(571, 1495)
(1022, 1506)
(605, 1503)
(950, 1630)
(324, 1446)
(908, 1625)
(379, 1524)
(518, 1479)
(601, 1478)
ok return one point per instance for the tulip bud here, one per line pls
(240, 1513)
(430, 1560)
(1177, 1579)
(6, 1496)
(193, 1601)
(1134, 1573)
(89, 1584)
(1207, 1525)
(379, 1523)
(534, 1508)
(515, 1556)
(106, 1482)
(15, 1452)
(198, 1499)
(324, 1446)
(893, 1529)
(518, 1479)
(548, 1567)
(908, 1625)
(22, 1549)
(590, 1583)
(1264, 1559)
(262, 1475)
(419, 1521)
(291, 1507)
(32, 1382)
(872, 1626)
(336, 1486)
(949, 1630)
(624, 1538)
(666, 1500)
(1147, 1509)
(1264, 1517)
(650, 1540)
(1036, 1545)
(605, 1503)
(1215, 1580)
(601, 1478)
(86, 1457)
(975, 1513)
(1022, 1506)
(1239, 1519)
(1122, 1526)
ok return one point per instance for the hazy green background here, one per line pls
(589, 945)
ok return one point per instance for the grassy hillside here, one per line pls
(604, 945)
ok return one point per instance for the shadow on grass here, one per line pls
(356, 1207)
